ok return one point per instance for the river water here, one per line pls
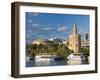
(33, 63)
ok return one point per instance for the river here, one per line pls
(33, 63)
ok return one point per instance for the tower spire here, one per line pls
(74, 29)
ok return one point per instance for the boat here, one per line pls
(57, 58)
(41, 58)
(28, 58)
(74, 58)
(32, 58)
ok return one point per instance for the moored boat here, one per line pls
(57, 58)
(74, 59)
(28, 58)
(40, 58)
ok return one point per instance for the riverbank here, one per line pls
(53, 60)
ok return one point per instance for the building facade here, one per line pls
(74, 40)
(38, 42)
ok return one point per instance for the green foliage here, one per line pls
(85, 50)
(63, 51)
(53, 49)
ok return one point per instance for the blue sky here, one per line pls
(47, 25)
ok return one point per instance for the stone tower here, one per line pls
(74, 40)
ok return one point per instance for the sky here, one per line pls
(47, 25)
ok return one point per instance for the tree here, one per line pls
(48, 49)
(63, 51)
(85, 51)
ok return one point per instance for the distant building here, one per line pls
(38, 41)
(74, 40)
(55, 40)
(65, 42)
(84, 44)
(47, 41)
(86, 36)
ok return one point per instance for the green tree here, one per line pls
(85, 50)
(51, 49)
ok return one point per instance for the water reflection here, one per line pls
(33, 63)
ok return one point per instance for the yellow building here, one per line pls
(38, 41)
(74, 40)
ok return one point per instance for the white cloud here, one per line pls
(36, 25)
(68, 32)
(29, 31)
(47, 28)
(83, 30)
(62, 29)
(48, 24)
(30, 20)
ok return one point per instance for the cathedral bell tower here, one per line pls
(74, 40)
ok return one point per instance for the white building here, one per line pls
(38, 41)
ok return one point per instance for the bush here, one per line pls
(54, 49)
